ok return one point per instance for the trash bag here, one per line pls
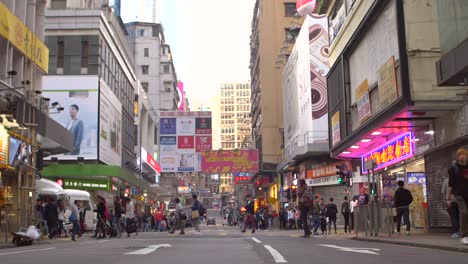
(33, 233)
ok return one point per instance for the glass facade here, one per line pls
(453, 23)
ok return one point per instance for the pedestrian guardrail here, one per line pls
(374, 219)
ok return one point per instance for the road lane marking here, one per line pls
(256, 240)
(148, 250)
(102, 241)
(275, 254)
(369, 251)
(26, 251)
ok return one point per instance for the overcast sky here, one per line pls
(209, 40)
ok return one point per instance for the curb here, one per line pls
(413, 244)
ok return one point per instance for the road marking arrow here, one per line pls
(148, 250)
(275, 254)
(369, 251)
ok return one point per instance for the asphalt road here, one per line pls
(224, 245)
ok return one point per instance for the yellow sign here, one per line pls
(271, 200)
(363, 101)
(4, 139)
(388, 87)
(23, 39)
(336, 130)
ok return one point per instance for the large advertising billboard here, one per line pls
(305, 87)
(110, 126)
(79, 96)
(229, 161)
(183, 136)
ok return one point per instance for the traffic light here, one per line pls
(341, 174)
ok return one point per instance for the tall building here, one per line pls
(274, 30)
(91, 75)
(156, 71)
(235, 116)
(26, 129)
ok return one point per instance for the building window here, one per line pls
(141, 32)
(164, 51)
(60, 52)
(84, 52)
(166, 68)
(146, 52)
(59, 4)
(144, 69)
(291, 34)
(289, 9)
(168, 86)
(145, 86)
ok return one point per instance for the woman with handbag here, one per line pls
(196, 209)
(180, 218)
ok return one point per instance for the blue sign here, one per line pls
(168, 140)
(416, 177)
(168, 126)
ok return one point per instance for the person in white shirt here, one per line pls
(353, 204)
(291, 219)
(129, 213)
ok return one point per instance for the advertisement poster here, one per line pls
(167, 126)
(388, 89)
(336, 130)
(188, 163)
(229, 161)
(203, 125)
(169, 162)
(3, 146)
(18, 151)
(79, 96)
(186, 126)
(319, 68)
(203, 143)
(168, 144)
(389, 186)
(416, 207)
(180, 89)
(110, 127)
(186, 144)
(363, 101)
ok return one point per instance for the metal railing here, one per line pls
(374, 219)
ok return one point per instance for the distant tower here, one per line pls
(156, 11)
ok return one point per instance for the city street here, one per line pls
(222, 244)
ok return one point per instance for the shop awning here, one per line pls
(92, 171)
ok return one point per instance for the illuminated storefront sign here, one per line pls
(391, 152)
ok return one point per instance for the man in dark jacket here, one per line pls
(51, 215)
(458, 186)
(301, 192)
(249, 214)
(403, 199)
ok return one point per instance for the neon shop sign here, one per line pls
(393, 151)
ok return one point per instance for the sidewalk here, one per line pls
(45, 241)
(423, 240)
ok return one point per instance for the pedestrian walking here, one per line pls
(116, 224)
(75, 219)
(249, 214)
(346, 211)
(158, 218)
(61, 218)
(332, 210)
(82, 219)
(323, 217)
(51, 215)
(101, 214)
(453, 211)
(282, 218)
(402, 200)
(352, 207)
(180, 218)
(458, 186)
(315, 215)
(304, 194)
(129, 214)
(197, 210)
(291, 219)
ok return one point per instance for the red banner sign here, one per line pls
(185, 142)
(203, 143)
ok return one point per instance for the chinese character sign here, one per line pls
(229, 161)
(391, 152)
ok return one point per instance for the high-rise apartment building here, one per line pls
(274, 30)
(235, 116)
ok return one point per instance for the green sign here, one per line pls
(86, 184)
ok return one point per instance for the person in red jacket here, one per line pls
(158, 218)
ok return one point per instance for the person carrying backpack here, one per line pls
(306, 200)
(346, 211)
(332, 210)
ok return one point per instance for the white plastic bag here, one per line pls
(33, 233)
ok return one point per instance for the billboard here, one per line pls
(167, 126)
(229, 161)
(180, 90)
(183, 135)
(79, 96)
(203, 143)
(186, 126)
(110, 126)
(203, 126)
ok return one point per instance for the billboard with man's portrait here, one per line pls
(78, 95)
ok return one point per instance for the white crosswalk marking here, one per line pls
(276, 255)
(369, 251)
(148, 249)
